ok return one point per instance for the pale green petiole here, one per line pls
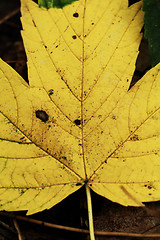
(90, 215)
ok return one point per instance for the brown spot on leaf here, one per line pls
(42, 115)
(22, 138)
(76, 15)
(51, 91)
(114, 117)
(77, 122)
(134, 137)
(74, 36)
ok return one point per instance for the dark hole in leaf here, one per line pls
(42, 115)
(74, 36)
(77, 122)
(76, 15)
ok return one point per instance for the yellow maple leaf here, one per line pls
(76, 122)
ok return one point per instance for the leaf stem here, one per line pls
(90, 215)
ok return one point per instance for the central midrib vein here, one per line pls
(82, 90)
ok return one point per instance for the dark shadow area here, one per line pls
(11, 47)
(143, 63)
(36, 1)
(131, 2)
(71, 212)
